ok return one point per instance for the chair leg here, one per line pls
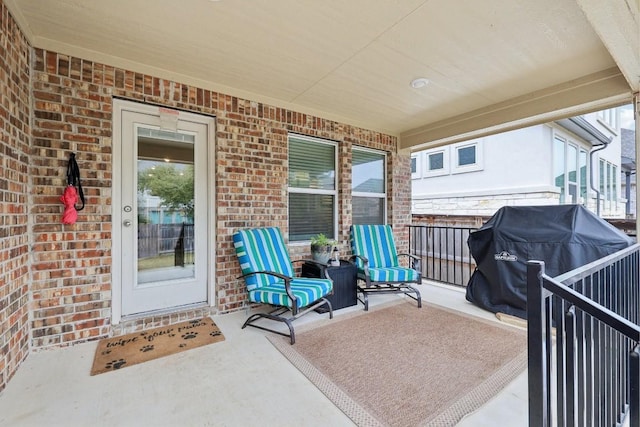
(277, 316)
(388, 288)
(254, 317)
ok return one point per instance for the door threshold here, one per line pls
(168, 316)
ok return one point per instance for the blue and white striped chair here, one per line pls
(269, 276)
(375, 255)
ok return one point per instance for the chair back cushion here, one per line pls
(374, 242)
(262, 249)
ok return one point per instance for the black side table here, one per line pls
(344, 283)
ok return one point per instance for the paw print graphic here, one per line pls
(215, 333)
(116, 364)
(146, 348)
(189, 335)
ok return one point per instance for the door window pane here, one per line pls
(166, 205)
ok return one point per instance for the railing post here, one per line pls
(536, 341)
(634, 387)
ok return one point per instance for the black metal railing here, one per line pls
(183, 250)
(443, 252)
(583, 335)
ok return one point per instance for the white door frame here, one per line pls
(120, 106)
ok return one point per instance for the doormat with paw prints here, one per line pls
(126, 350)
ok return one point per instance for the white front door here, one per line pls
(161, 225)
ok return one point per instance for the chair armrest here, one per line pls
(364, 260)
(287, 284)
(413, 262)
(270, 273)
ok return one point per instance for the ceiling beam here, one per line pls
(596, 91)
(617, 23)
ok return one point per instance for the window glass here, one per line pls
(436, 161)
(559, 162)
(414, 164)
(602, 177)
(368, 186)
(368, 210)
(583, 175)
(610, 181)
(310, 214)
(467, 155)
(311, 165)
(312, 187)
(614, 183)
(368, 172)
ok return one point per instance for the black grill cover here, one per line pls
(563, 236)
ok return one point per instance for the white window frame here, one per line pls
(564, 191)
(383, 195)
(608, 181)
(609, 118)
(428, 172)
(479, 163)
(301, 190)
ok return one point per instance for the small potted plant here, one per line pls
(321, 247)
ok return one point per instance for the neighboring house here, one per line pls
(539, 165)
(628, 169)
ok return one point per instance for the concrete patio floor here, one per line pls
(242, 381)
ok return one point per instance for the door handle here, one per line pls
(126, 223)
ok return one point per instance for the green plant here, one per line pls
(322, 240)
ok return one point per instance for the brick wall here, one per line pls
(72, 101)
(14, 151)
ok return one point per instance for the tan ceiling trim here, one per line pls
(590, 93)
(617, 23)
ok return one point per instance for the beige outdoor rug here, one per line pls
(403, 366)
(126, 350)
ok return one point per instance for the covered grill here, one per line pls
(563, 236)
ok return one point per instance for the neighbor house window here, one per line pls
(437, 162)
(608, 183)
(467, 156)
(416, 170)
(583, 176)
(368, 187)
(312, 188)
(570, 171)
(609, 117)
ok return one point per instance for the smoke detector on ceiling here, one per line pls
(419, 83)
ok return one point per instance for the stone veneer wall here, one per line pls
(479, 205)
(72, 100)
(14, 183)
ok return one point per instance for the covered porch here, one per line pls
(351, 74)
(244, 380)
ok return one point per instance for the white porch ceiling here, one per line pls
(492, 64)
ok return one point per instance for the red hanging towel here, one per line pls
(71, 196)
